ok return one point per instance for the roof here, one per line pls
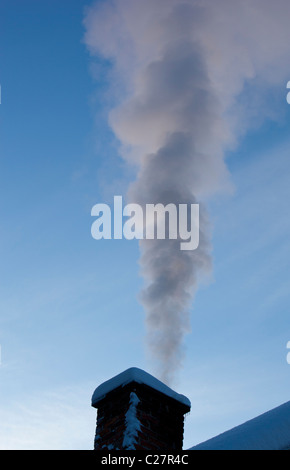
(138, 376)
(270, 431)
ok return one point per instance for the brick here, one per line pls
(161, 418)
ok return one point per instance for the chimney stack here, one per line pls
(138, 412)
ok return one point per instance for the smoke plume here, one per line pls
(194, 77)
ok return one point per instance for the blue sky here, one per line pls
(69, 311)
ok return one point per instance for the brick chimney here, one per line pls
(138, 412)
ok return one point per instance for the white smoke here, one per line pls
(184, 66)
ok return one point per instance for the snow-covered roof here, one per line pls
(141, 377)
(270, 431)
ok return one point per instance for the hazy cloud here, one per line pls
(195, 75)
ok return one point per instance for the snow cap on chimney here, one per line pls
(138, 412)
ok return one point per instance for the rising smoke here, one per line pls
(184, 66)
